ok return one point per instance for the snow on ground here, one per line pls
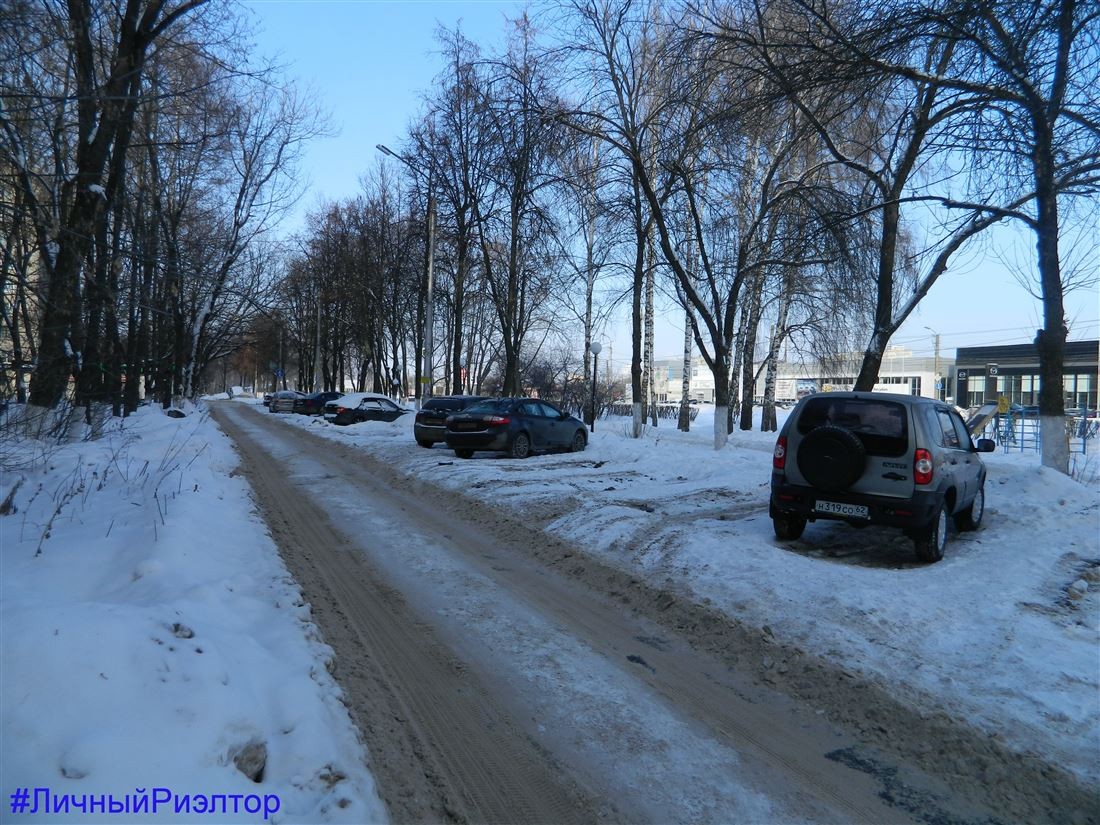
(152, 638)
(1004, 631)
(157, 633)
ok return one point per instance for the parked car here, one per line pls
(314, 404)
(877, 458)
(517, 426)
(370, 409)
(267, 398)
(283, 401)
(348, 401)
(430, 425)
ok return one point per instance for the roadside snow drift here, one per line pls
(153, 639)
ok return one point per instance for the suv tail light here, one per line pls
(922, 466)
(779, 457)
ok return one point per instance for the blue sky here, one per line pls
(368, 62)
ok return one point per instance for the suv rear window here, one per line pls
(449, 403)
(441, 404)
(881, 425)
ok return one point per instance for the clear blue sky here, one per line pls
(369, 62)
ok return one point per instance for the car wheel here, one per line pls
(788, 527)
(521, 446)
(464, 453)
(971, 517)
(427, 444)
(930, 544)
(579, 442)
(831, 458)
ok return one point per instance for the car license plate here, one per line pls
(838, 509)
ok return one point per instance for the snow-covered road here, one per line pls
(639, 724)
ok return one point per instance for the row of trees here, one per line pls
(140, 167)
(788, 172)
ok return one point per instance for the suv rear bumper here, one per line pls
(911, 513)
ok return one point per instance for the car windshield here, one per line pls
(881, 425)
(490, 406)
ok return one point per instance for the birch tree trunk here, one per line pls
(649, 410)
(768, 420)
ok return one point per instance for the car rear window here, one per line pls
(882, 426)
(447, 403)
(490, 406)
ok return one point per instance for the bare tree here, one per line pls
(107, 48)
(1031, 74)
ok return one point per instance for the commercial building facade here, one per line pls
(987, 373)
(901, 372)
(964, 379)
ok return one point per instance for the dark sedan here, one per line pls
(369, 409)
(314, 404)
(430, 426)
(517, 426)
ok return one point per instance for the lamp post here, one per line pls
(317, 387)
(595, 348)
(936, 367)
(429, 313)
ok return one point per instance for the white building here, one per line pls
(901, 372)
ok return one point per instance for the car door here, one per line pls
(555, 427)
(388, 411)
(952, 463)
(535, 423)
(369, 410)
(970, 465)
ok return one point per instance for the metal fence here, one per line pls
(1019, 431)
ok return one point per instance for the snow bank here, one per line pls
(151, 632)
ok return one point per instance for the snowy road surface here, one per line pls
(491, 687)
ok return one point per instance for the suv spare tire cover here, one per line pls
(831, 458)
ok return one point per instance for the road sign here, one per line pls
(279, 373)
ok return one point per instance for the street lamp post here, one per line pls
(317, 387)
(936, 365)
(429, 310)
(595, 348)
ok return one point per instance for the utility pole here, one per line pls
(429, 313)
(429, 319)
(936, 365)
(317, 349)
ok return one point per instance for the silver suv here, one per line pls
(876, 458)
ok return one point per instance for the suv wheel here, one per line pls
(788, 527)
(831, 458)
(931, 543)
(971, 517)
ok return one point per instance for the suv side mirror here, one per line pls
(986, 445)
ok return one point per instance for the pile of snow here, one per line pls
(1003, 632)
(152, 637)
